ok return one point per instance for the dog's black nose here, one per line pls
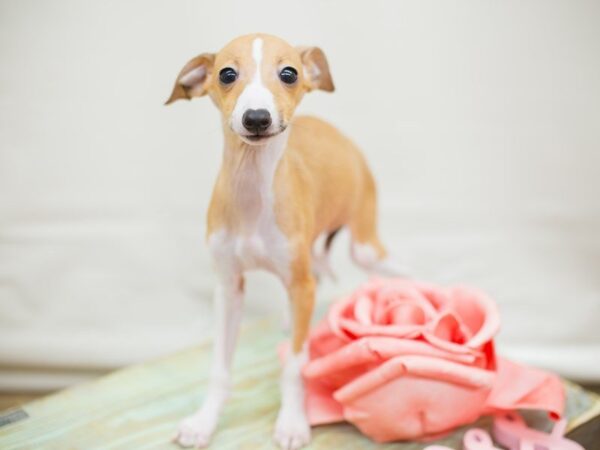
(256, 120)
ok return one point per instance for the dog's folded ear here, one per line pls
(191, 81)
(316, 69)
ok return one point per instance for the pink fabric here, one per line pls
(474, 439)
(405, 360)
(511, 431)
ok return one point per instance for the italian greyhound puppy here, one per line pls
(285, 187)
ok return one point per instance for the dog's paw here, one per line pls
(195, 431)
(292, 430)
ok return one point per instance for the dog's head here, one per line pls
(256, 81)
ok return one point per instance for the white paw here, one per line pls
(292, 430)
(195, 431)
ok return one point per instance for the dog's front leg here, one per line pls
(292, 430)
(197, 429)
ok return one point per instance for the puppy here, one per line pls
(285, 187)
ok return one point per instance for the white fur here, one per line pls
(365, 255)
(197, 429)
(390, 267)
(255, 96)
(292, 430)
(259, 243)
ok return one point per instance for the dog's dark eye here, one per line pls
(227, 75)
(288, 75)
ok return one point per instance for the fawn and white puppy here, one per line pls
(284, 189)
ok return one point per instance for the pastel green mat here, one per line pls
(139, 407)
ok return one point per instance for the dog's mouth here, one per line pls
(259, 138)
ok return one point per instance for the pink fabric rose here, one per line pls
(405, 360)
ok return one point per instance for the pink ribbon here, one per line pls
(511, 431)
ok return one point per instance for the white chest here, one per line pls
(256, 241)
(266, 248)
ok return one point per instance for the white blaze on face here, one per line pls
(255, 96)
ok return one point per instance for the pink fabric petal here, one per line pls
(477, 311)
(352, 329)
(364, 310)
(448, 328)
(447, 345)
(406, 314)
(416, 366)
(371, 350)
(321, 407)
(407, 360)
(522, 387)
(414, 398)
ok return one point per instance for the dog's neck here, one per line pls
(249, 172)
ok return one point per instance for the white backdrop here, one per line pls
(480, 119)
